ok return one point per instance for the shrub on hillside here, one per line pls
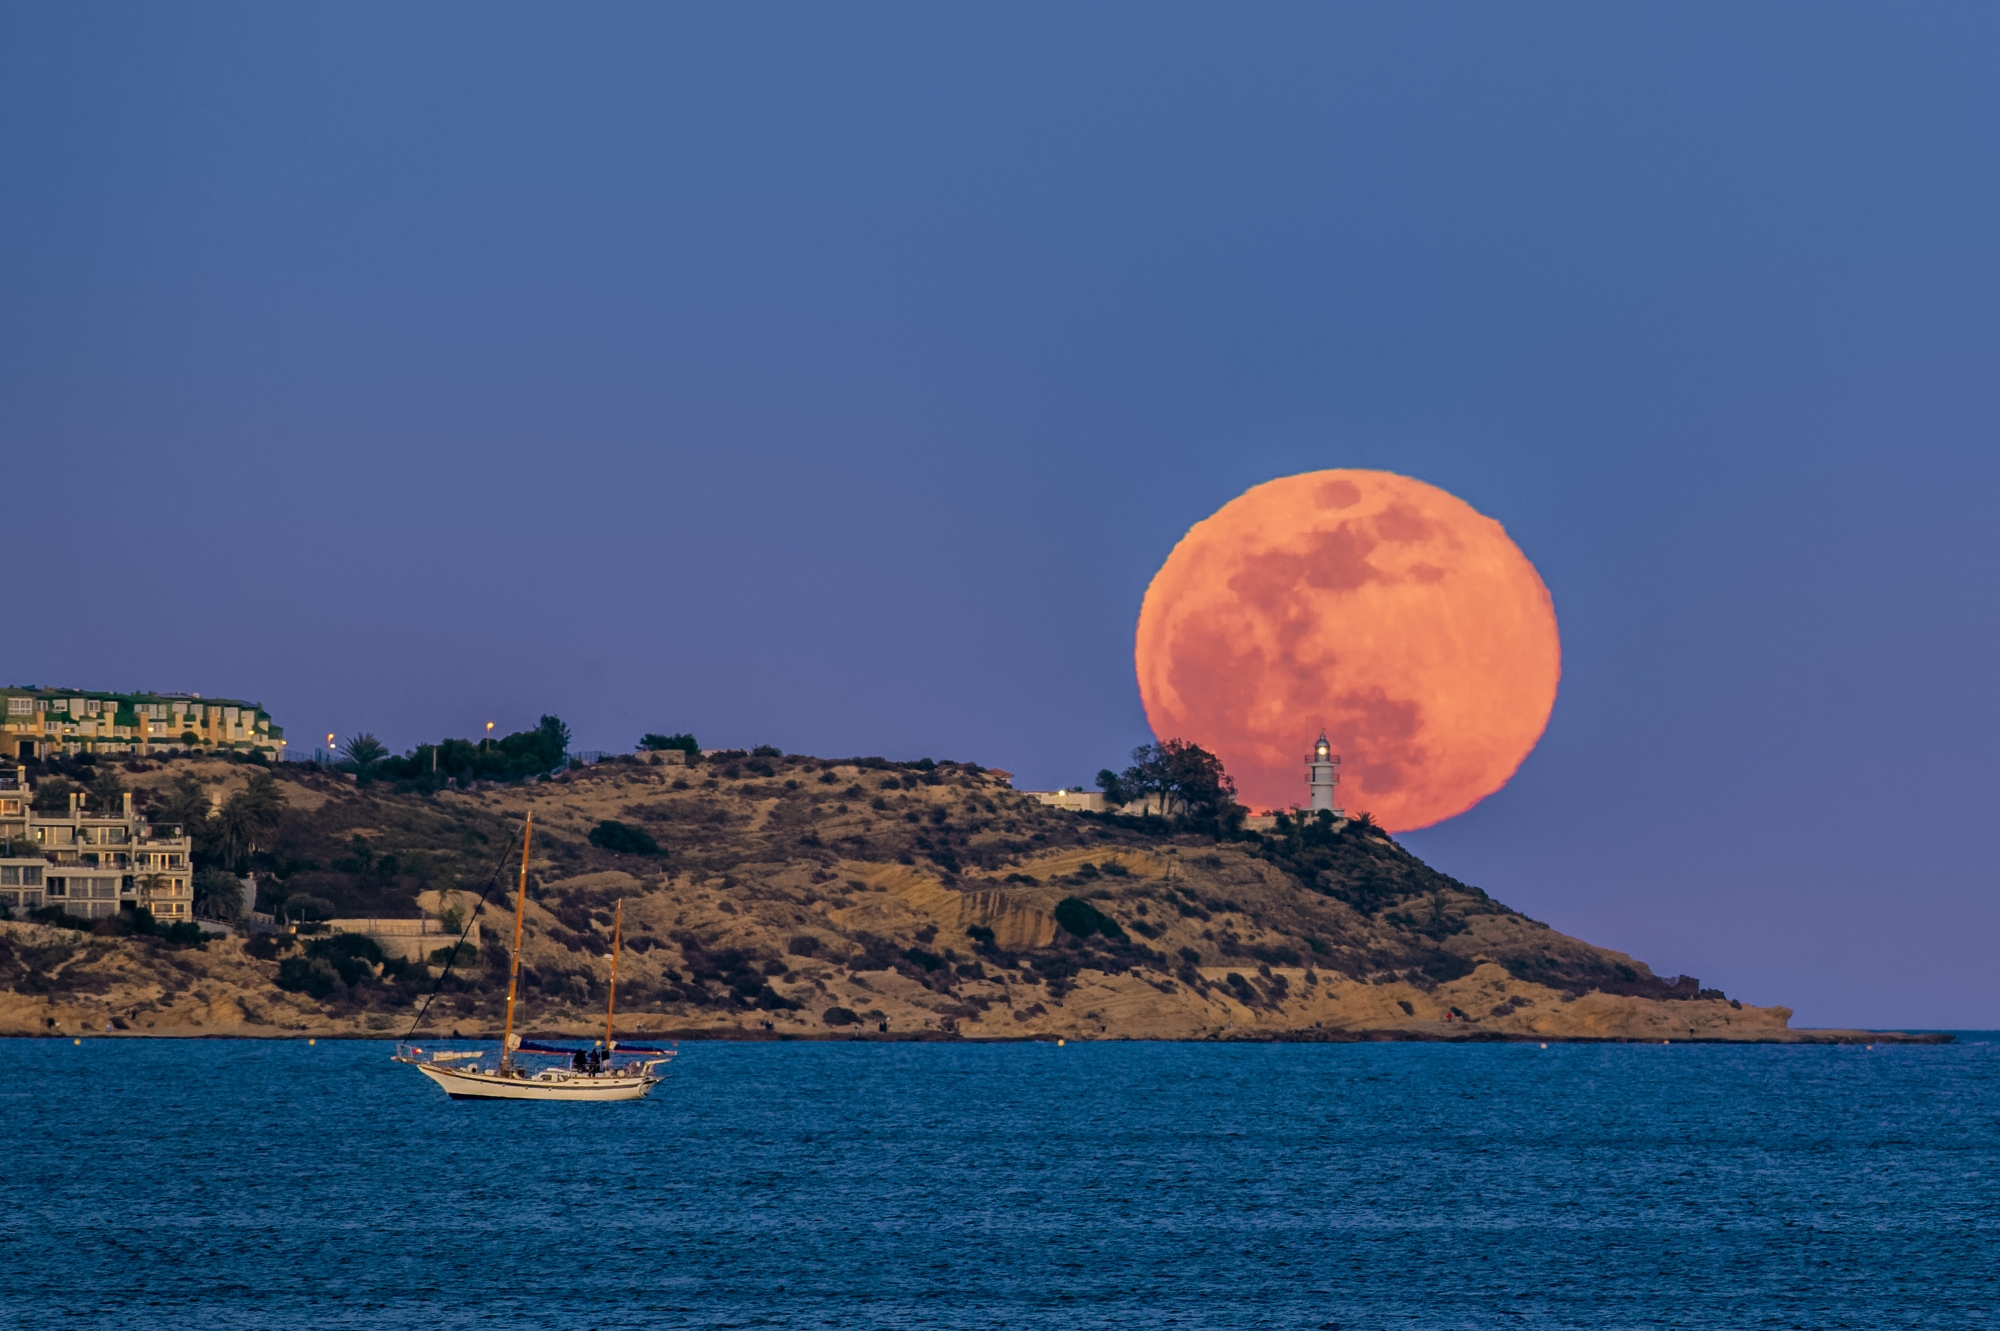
(307, 975)
(839, 1016)
(1082, 919)
(353, 957)
(623, 839)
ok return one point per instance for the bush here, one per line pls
(266, 947)
(916, 956)
(1082, 919)
(304, 906)
(659, 743)
(839, 1016)
(623, 839)
(307, 975)
(803, 945)
(468, 955)
(353, 957)
(767, 751)
(185, 933)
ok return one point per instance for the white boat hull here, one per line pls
(464, 1084)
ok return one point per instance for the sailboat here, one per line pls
(579, 1074)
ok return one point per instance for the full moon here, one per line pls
(1388, 613)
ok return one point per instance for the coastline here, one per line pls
(739, 1035)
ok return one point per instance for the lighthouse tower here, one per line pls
(1322, 775)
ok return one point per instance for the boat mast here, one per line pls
(514, 976)
(617, 928)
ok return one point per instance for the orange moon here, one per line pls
(1393, 615)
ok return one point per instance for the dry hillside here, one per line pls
(806, 897)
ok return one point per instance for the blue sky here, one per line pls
(836, 377)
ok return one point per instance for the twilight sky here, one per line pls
(837, 376)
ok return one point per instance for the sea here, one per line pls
(280, 1184)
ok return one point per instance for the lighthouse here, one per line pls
(1322, 775)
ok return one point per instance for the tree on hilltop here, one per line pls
(1187, 779)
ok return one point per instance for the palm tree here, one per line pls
(217, 895)
(263, 799)
(246, 816)
(364, 751)
(186, 806)
(52, 795)
(107, 791)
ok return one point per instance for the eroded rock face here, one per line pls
(830, 899)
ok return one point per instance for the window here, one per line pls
(31, 876)
(58, 887)
(10, 876)
(20, 707)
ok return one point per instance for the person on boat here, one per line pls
(596, 1063)
(577, 1063)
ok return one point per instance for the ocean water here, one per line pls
(155, 1183)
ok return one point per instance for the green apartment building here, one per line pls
(43, 723)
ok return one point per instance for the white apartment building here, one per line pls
(89, 862)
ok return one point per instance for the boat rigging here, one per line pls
(581, 1073)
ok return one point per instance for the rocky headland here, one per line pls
(772, 896)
